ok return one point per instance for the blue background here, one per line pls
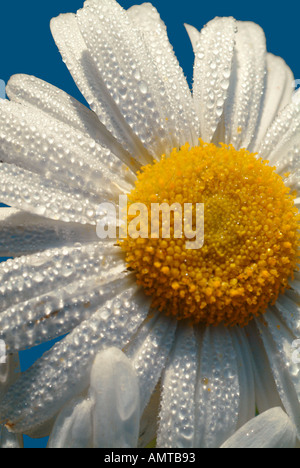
(26, 46)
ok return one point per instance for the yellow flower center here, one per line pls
(251, 236)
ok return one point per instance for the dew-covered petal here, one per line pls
(280, 132)
(45, 295)
(271, 429)
(287, 309)
(177, 414)
(89, 80)
(108, 417)
(37, 195)
(53, 314)
(278, 343)
(213, 48)
(75, 54)
(9, 373)
(23, 233)
(245, 375)
(114, 389)
(73, 426)
(64, 370)
(217, 396)
(243, 107)
(266, 394)
(34, 141)
(278, 93)
(149, 350)
(72, 47)
(281, 144)
(31, 91)
(173, 82)
(128, 72)
(8, 440)
(36, 93)
(32, 276)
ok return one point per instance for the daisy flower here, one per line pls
(182, 345)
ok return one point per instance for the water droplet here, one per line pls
(143, 87)
(225, 84)
(137, 75)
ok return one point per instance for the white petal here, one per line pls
(278, 93)
(53, 314)
(22, 233)
(183, 116)
(64, 370)
(115, 391)
(75, 54)
(73, 426)
(39, 143)
(213, 48)
(278, 342)
(217, 391)
(9, 373)
(177, 415)
(245, 375)
(149, 350)
(31, 91)
(295, 284)
(272, 429)
(29, 277)
(281, 144)
(30, 192)
(287, 308)
(109, 415)
(266, 394)
(243, 107)
(89, 80)
(282, 129)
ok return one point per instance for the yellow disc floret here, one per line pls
(251, 236)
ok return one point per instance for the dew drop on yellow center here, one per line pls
(250, 236)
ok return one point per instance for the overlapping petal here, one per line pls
(108, 417)
(64, 371)
(177, 414)
(173, 83)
